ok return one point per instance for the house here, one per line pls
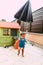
(8, 32)
(36, 25)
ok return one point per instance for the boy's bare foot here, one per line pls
(22, 55)
(18, 54)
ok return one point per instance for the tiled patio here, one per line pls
(33, 56)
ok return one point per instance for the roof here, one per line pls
(10, 25)
(38, 9)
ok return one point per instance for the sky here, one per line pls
(9, 7)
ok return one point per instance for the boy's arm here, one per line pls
(25, 41)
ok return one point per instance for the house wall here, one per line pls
(1, 32)
(36, 25)
(7, 40)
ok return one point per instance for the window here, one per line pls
(13, 32)
(5, 31)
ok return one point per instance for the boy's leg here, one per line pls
(18, 50)
(23, 52)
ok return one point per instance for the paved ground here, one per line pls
(35, 37)
(33, 56)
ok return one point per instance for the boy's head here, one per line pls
(23, 35)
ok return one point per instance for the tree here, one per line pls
(3, 20)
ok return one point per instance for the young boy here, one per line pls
(22, 44)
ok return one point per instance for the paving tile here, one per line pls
(33, 56)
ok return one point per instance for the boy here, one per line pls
(22, 44)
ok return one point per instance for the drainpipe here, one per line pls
(30, 26)
(42, 26)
